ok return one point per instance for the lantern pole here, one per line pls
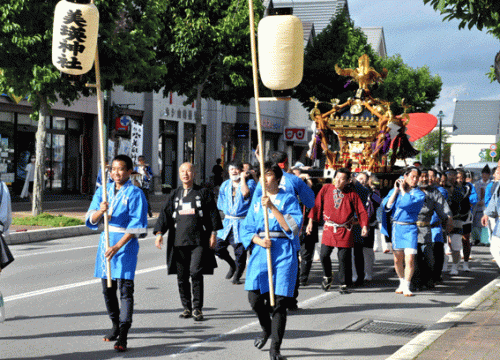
(100, 125)
(261, 148)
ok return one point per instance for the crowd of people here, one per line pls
(423, 216)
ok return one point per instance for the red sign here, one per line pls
(295, 134)
(122, 123)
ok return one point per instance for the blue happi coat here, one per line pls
(128, 211)
(283, 249)
(405, 210)
(235, 209)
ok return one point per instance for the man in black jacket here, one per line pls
(191, 216)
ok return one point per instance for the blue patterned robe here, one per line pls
(129, 211)
(235, 209)
(283, 249)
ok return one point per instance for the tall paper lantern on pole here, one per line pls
(74, 42)
(281, 52)
(74, 51)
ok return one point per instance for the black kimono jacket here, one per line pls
(207, 218)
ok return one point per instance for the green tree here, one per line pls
(339, 43)
(417, 87)
(429, 148)
(471, 13)
(129, 33)
(342, 43)
(209, 55)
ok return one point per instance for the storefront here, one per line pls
(64, 162)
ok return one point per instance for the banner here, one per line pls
(136, 138)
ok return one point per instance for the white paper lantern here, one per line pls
(281, 51)
(74, 38)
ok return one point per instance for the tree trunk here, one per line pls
(40, 159)
(199, 161)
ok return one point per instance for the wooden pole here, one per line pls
(102, 149)
(261, 148)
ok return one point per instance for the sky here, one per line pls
(418, 33)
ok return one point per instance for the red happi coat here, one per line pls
(340, 209)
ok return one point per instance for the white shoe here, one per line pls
(407, 293)
(465, 267)
(368, 278)
(454, 269)
(399, 290)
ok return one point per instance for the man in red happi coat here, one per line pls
(339, 205)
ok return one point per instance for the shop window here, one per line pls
(24, 119)
(7, 171)
(59, 123)
(74, 124)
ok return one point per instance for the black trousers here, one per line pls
(146, 194)
(359, 244)
(424, 266)
(121, 315)
(345, 264)
(438, 248)
(307, 246)
(240, 254)
(272, 320)
(189, 265)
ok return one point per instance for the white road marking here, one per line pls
(69, 249)
(243, 328)
(72, 286)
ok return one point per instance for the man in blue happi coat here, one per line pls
(235, 195)
(127, 211)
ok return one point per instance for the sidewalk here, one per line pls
(470, 331)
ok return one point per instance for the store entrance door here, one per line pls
(169, 160)
(25, 147)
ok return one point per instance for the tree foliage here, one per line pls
(210, 46)
(471, 13)
(429, 148)
(342, 43)
(418, 87)
(339, 43)
(208, 55)
(129, 34)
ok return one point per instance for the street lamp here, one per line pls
(440, 116)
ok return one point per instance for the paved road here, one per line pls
(55, 310)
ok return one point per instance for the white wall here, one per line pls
(465, 149)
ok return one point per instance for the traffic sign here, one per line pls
(493, 154)
(493, 147)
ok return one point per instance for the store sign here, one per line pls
(122, 123)
(268, 124)
(295, 134)
(241, 131)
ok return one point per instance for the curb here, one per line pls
(26, 237)
(416, 346)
